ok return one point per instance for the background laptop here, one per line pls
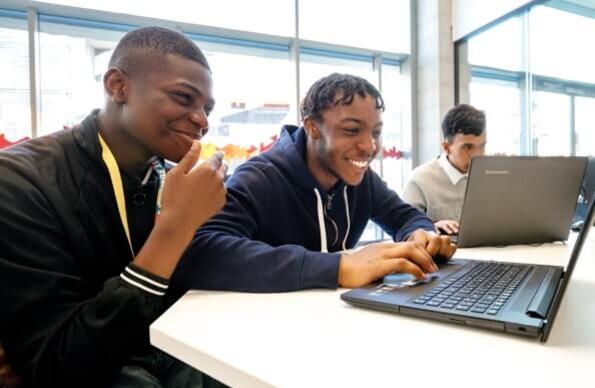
(514, 298)
(520, 200)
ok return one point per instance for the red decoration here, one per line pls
(5, 143)
(391, 153)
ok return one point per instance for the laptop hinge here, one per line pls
(539, 305)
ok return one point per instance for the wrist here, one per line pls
(162, 250)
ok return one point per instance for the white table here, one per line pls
(313, 339)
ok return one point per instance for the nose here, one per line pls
(368, 144)
(198, 117)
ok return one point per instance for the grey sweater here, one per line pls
(431, 190)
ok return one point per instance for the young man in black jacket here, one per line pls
(90, 232)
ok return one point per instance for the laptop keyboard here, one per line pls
(481, 288)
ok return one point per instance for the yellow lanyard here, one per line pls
(116, 178)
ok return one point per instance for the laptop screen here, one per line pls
(580, 241)
(520, 199)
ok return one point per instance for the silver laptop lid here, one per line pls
(520, 199)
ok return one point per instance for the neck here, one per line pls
(325, 178)
(452, 164)
(130, 155)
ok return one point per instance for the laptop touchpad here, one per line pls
(401, 280)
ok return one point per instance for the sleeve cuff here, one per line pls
(320, 270)
(144, 280)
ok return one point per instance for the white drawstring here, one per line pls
(321, 225)
(347, 214)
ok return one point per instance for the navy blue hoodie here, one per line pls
(268, 237)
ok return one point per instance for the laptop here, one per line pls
(513, 298)
(519, 200)
(587, 191)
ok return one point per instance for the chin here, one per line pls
(354, 181)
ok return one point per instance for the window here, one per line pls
(381, 25)
(501, 100)
(254, 96)
(73, 59)
(395, 164)
(262, 16)
(560, 52)
(15, 108)
(584, 122)
(315, 64)
(533, 76)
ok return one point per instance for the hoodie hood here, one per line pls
(289, 155)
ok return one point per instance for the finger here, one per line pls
(455, 227)
(419, 237)
(414, 253)
(447, 249)
(434, 245)
(449, 228)
(215, 161)
(402, 265)
(222, 171)
(191, 157)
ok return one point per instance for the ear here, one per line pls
(116, 85)
(446, 147)
(311, 128)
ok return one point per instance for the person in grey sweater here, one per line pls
(438, 186)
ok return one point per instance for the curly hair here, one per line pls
(463, 119)
(322, 95)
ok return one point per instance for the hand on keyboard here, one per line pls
(377, 260)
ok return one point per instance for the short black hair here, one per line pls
(321, 95)
(463, 119)
(143, 49)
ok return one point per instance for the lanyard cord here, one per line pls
(116, 179)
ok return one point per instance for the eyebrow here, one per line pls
(359, 121)
(209, 105)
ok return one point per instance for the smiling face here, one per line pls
(342, 145)
(166, 108)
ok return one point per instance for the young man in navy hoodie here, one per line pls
(91, 232)
(292, 212)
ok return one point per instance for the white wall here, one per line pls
(469, 15)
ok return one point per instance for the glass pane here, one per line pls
(561, 52)
(274, 17)
(550, 127)
(500, 47)
(501, 102)
(314, 67)
(15, 108)
(73, 60)
(254, 92)
(584, 126)
(393, 142)
(378, 24)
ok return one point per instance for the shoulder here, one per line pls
(429, 170)
(37, 164)
(253, 173)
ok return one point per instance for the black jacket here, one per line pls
(67, 316)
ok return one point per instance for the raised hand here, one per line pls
(191, 195)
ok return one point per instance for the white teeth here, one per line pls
(358, 163)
